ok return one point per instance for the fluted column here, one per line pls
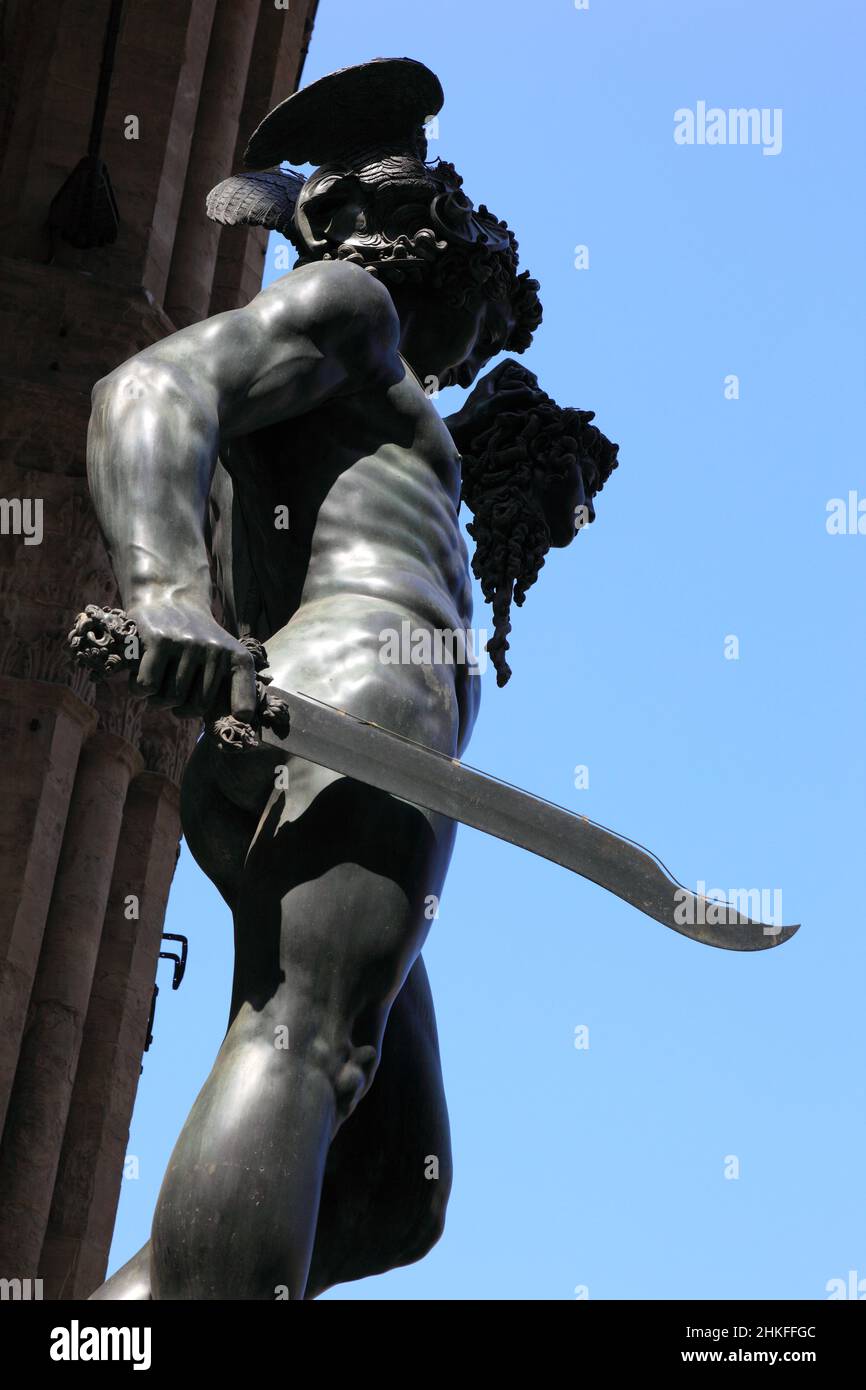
(277, 60)
(47, 1062)
(41, 731)
(87, 1189)
(187, 296)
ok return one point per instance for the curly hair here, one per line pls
(417, 227)
(507, 468)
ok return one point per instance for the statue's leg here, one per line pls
(329, 919)
(388, 1173)
(131, 1282)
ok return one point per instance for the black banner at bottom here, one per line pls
(410, 1339)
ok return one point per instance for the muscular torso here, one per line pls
(369, 484)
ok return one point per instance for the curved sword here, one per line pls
(323, 734)
(106, 640)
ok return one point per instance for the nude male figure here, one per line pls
(304, 1165)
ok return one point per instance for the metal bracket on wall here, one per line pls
(177, 975)
(179, 961)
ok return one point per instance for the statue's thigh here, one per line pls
(218, 824)
(335, 894)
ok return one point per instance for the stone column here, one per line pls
(48, 1059)
(87, 1189)
(279, 50)
(187, 295)
(41, 730)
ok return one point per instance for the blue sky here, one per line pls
(605, 1168)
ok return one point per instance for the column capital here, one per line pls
(48, 695)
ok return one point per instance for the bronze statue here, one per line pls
(283, 467)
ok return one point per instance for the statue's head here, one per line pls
(452, 269)
(376, 200)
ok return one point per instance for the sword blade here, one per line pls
(335, 739)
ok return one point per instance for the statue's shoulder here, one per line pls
(337, 303)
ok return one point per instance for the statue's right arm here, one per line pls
(154, 436)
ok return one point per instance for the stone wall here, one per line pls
(89, 814)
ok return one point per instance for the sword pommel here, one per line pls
(105, 642)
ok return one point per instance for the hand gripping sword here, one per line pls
(106, 640)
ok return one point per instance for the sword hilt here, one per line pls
(106, 641)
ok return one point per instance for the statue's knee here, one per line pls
(322, 1041)
(352, 1076)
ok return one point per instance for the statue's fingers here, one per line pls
(194, 706)
(213, 676)
(177, 690)
(243, 687)
(147, 680)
